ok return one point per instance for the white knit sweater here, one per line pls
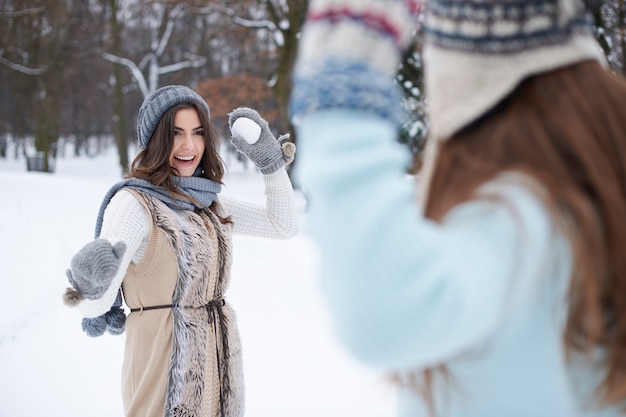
(126, 219)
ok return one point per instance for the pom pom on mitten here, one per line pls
(115, 320)
(72, 297)
(92, 270)
(251, 135)
(288, 148)
(94, 326)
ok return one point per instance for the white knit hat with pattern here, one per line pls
(477, 51)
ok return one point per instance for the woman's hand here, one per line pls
(251, 135)
(93, 269)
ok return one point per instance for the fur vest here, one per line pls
(200, 314)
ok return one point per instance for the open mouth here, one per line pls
(185, 160)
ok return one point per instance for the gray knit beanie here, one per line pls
(160, 101)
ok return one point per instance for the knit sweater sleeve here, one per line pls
(127, 220)
(277, 219)
(405, 291)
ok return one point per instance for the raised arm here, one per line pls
(404, 291)
(278, 218)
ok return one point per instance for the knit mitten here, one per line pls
(92, 270)
(251, 135)
(349, 52)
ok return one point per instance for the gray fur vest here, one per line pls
(200, 241)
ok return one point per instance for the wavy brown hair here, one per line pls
(566, 129)
(153, 163)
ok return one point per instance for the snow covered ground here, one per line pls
(293, 365)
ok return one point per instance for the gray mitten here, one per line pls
(251, 135)
(92, 270)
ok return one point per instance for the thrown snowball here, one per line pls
(246, 129)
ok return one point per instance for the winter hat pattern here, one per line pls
(476, 52)
(157, 103)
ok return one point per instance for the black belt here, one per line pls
(209, 306)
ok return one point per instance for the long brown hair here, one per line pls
(153, 163)
(567, 130)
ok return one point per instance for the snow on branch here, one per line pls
(254, 24)
(144, 61)
(247, 23)
(169, 28)
(132, 68)
(24, 12)
(193, 62)
(21, 68)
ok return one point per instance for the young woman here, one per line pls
(164, 237)
(504, 294)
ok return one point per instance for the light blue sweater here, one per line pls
(484, 292)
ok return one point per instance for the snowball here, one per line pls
(247, 129)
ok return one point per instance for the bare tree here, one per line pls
(160, 19)
(6, 17)
(288, 17)
(119, 107)
(283, 20)
(280, 22)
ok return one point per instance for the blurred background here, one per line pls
(77, 71)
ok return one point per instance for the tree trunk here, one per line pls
(119, 107)
(287, 55)
(47, 128)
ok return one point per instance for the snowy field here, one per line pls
(293, 365)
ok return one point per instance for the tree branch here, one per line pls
(247, 23)
(254, 24)
(24, 12)
(169, 28)
(271, 9)
(195, 62)
(21, 68)
(132, 68)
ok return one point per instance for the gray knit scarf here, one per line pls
(202, 190)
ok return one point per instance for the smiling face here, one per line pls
(188, 145)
